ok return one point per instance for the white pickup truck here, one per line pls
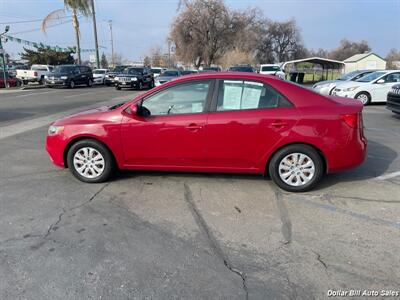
(35, 74)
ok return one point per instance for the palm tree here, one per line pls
(75, 6)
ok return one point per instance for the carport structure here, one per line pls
(314, 66)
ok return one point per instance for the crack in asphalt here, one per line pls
(53, 226)
(286, 227)
(202, 224)
(319, 258)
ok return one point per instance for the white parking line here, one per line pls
(33, 94)
(77, 95)
(388, 176)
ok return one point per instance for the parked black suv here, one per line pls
(135, 77)
(393, 99)
(69, 76)
(110, 76)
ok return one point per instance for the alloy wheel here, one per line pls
(89, 162)
(296, 169)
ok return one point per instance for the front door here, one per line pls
(247, 120)
(380, 90)
(172, 135)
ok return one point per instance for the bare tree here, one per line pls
(202, 31)
(393, 59)
(348, 48)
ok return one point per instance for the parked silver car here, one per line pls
(326, 87)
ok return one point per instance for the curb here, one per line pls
(33, 87)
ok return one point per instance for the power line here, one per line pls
(29, 21)
(38, 29)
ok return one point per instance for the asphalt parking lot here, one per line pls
(175, 235)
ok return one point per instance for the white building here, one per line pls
(364, 61)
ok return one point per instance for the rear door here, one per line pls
(247, 119)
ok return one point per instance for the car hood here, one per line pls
(349, 84)
(166, 78)
(84, 115)
(98, 75)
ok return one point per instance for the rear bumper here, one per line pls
(348, 155)
(54, 83)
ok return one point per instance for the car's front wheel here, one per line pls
(296, 168)
(72, 84)
(90, 161)
(364, 97)
(90, 82)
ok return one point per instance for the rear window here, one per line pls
(270, 69)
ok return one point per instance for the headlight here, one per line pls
(350, 89)
(133, 79)
(55, 129)
(116, 78)
(106, 76)
(64, 77)
(46, 77)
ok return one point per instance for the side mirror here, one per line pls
(134, 109)
(381, 81)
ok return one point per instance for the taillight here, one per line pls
(34, 73)
(351, 120)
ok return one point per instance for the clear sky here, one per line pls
(140, 24)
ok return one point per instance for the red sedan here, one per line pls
(216, 122)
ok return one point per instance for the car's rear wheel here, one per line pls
(90, 161)
(296, 168)
(117, 87)
(364, 97)
(140, 86)
(90, 82)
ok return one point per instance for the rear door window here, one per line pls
(242, 95)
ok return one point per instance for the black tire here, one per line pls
(273, 167)
(89, 82)
(140, 86)
(364, 97)
(117, 87)
(109, 165)
(152, 83)
(72, 84)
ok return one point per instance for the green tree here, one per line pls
(104, 61)
(75, 6)
(45, 56)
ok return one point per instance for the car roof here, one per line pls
(224, 74)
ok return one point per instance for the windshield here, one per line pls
(133, 71)
(241, 69)
(186, 72)
(99, 72)
(371, 77)
(39, 68)
(349, 76)
(119, 69)
(270, 69)
(156, 71)
(64, 69)
(170, 73)
(211, 69)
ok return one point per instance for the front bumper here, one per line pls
(129, 84)
(56, 82)
(393, 103)
(323, 90)
(346, 94)
(98, 80)
(55, 145)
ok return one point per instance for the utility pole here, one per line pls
(96, 44)
(169, 53)
(112, 43)
(2, 52)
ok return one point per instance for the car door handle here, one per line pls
(278, 124)
(194, 127)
